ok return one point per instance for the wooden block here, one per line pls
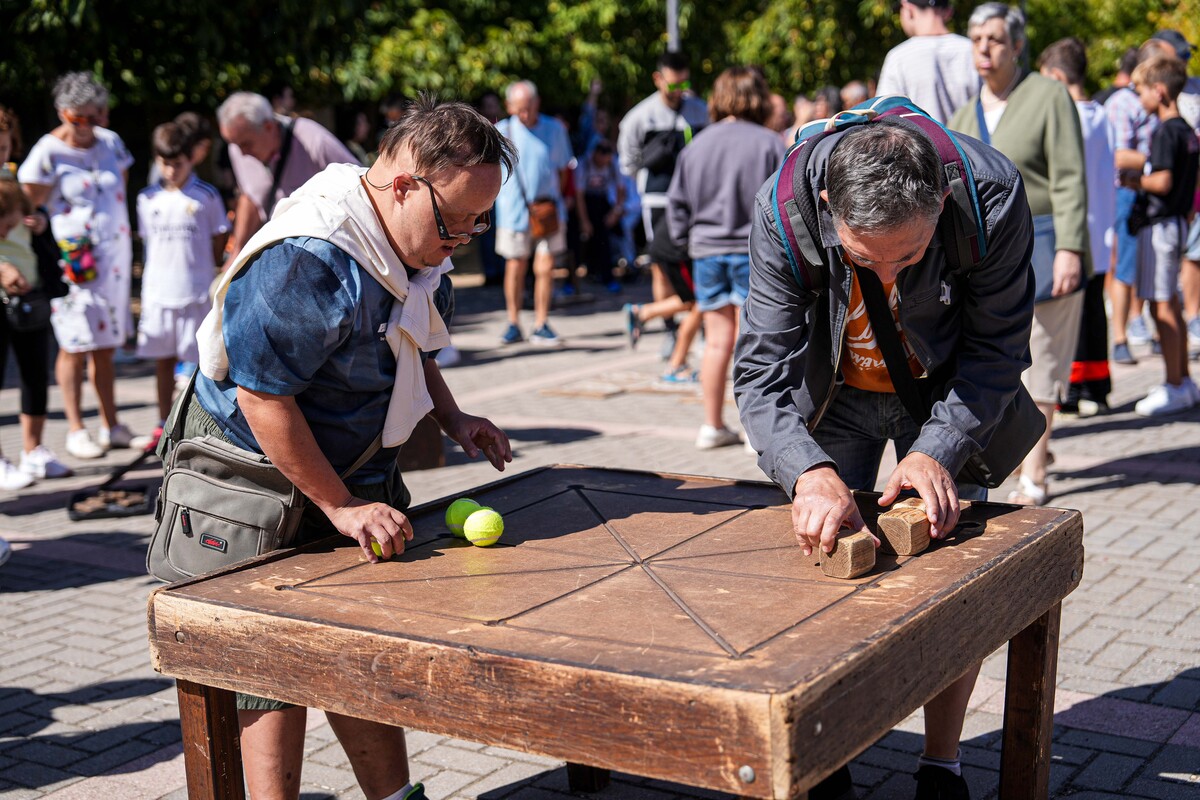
(853, 555)
(904, 530)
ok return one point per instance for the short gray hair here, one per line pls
(529, 86)
(253, 108)
(1014, 20)
(883, 176)
(79, 89)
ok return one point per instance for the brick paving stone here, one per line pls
(448, 782)
(1108, 743)
(515, 773)
(454, 758)
(1163, 790)
(1108, 771)
(517, 755)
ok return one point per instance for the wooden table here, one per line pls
(662, 625)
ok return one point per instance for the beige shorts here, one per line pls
(1052, 345)
(517, 244)
(170, 332)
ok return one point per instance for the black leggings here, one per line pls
(32, 349)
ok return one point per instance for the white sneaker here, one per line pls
(81, 445)
(43, 463)
(710, 437)
(1193, 390)
(118, 436)
(11, 477)
(1165, 399)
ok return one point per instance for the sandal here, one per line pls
(680, 375)
(1028, 493)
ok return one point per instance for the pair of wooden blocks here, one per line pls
(903, 529)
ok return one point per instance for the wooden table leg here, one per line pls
(1029, 709)
(582, 778)
(212, 752)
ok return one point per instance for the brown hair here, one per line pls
(446, 134)
(169, 141)
(1068, 56)
(13, 199)
(741, 92)
(1170, 72)
(12, 126)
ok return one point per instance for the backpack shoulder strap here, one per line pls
(796, 216)
(962, 229)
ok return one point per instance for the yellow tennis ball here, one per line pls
(457, 513)
(483, 528)
(376, 549)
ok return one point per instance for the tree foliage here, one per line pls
(162, 54)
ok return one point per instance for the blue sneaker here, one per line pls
(633, 325)
(1121, 354)
(545, 337)
(512, 335)
(681, 375)
(1137, 332)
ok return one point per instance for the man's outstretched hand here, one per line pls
(930, 480)
(822, 505)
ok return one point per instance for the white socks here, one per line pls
(400, 795)
(954, 766)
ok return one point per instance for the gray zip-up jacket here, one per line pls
(789, 351)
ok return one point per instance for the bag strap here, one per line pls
(894, 357)
(174, 429)
(285, 149)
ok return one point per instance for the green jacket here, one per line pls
(1039, 132)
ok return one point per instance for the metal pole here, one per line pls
(672, 25)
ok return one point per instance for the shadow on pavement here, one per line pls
(40, 759)
(1181, 465)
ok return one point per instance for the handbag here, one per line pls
(1139, 214)
(1021, 423)
(543, 213)
(220, 504)
(27, 312)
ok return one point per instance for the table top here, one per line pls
(622, 609)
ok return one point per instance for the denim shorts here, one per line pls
(857, 426)
(721, 280)
(1127, 243)
(1192, 253)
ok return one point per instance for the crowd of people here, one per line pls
(1089, 210)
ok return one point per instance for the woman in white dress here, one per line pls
(79, 172)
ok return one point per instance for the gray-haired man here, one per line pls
(272, 156)
(812, 386)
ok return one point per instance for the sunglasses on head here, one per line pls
(682, 86)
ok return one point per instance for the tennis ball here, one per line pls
(376, 549)
(457, 513)
(483, 528)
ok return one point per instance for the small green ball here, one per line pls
(484, 527)
(457, 513)
(376, 549)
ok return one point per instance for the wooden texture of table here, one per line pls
(666, 626)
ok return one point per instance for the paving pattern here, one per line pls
(82, 715)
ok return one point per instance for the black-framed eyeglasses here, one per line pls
(482, 222)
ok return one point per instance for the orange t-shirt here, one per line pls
(863, 366)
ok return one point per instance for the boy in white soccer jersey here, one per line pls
(182, 222)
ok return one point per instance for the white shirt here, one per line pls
(178, 228)
(1098, 142)
(935, 72)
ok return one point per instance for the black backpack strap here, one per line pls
(884, 325)
(285, 149)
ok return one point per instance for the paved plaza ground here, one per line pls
(83, 716)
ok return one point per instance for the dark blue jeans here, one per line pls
(856, 428)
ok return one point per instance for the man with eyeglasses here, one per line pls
(320, 349)
(545, 163)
